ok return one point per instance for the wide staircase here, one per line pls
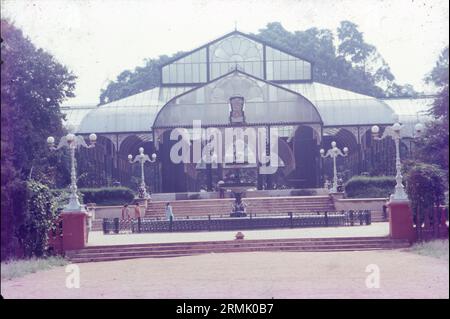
(118, 252)
(257, 205)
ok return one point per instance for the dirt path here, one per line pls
(246, 275)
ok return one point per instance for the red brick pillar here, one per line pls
(401, 224)
(74, 230)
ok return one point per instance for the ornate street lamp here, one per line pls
(334, 152)
(72, 142)
(142, 158)
(394, 132)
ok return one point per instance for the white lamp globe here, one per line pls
(322, 151)
(154, 156)
(93, 137)
(418, 128)
(130, 157)
(70, 137)
(345, 149)
(375, 129)
(50, 140)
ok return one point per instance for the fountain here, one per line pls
(238, 187)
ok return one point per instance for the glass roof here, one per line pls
(75, 114)
(339, 107)
(135, 113)
(235, 50)
(265, 103)
(411, 112)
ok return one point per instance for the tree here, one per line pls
(141, 79)
(33, 85)
(425, 187)
(433, 147)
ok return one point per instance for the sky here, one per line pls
(98, 39)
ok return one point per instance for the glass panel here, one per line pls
(173, 73)
(188, 73)
(269, 53)
(307, 70)
(292, 71)
(269, 70)
(195, 73)
(299, 69)
(165, 74)
(202, 68)
(276, 70)
(179, 73)
(202, 55)
(232, 51)
(187, 59)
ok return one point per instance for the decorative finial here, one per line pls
(235, 25)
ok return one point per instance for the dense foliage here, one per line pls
(107, 195)
(433, 147)
(425, 186)
(369, 187)
(352, 64)
(33, 85)
(39, 217)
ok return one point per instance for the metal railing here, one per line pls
(209, 223)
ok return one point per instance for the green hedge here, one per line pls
(369, 187)
(106, 196)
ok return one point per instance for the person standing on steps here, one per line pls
(169, 212)
(137, 211)
(125, 212)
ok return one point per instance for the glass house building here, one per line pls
(273, 89)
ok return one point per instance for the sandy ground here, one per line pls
(246, 275)
(97, 238)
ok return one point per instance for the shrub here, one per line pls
(370, 187)
(39, 218)
(107, 195)
(425, 186)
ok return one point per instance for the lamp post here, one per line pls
(394, 132)
(142, 158)
(72, 142)
(334, 152)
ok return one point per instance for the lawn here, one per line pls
(435, 248)
(18, 268)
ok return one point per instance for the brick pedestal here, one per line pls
(74, 230)
(401, 220)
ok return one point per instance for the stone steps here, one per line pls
(261, 205)
(118, 252)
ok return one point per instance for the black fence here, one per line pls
(289, 220)
(431, 223)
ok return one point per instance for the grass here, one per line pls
(18, 268)
(436, 248)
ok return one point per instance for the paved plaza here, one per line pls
(97, 238)
(246, 275)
